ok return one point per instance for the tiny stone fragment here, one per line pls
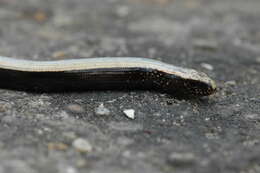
(4, 107)
(212, 135)
(207, 66)
(57, 146)
(40, 16)
(102, 110)
(69, 135)
(58, 54)
(75, 108)
(130, 113)
(122, 11)
(81, 163)
(61, 115)
(82, 145)
(181, 159)
(231, 83)
(124, 141)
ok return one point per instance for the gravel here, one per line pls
(88, 131)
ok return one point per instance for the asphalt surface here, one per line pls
(89, 132)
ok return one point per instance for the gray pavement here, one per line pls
(88, 132)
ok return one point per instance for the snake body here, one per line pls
(113, 73)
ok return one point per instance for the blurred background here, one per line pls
(44, 133)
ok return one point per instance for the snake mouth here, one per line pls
(200, 88)
(188, 87)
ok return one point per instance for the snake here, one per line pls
(103, 73)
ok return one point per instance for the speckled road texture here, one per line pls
(89, 132)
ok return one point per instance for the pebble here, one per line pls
(66, 168)
(102, 110)
(207, 119)
(69, 135)
(4, 107)
(181, 159)
(81, 163)
(61, 115)
(39, 132)
(71, 170)
(58, 54)
(130, 113)
(41, 117)
(40, 16)
(124, 141)
(212, 135)
(207, 66)
(126, 154)
(231, 83)
(82, 145)
(122, 11)
(57, 146)
(75, 108)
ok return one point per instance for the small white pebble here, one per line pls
(71, 170)
(102, 110)
(127, 154)
(122, 11)
(207, 66)
(207, 119)
(130, 113)
(40, 132)
(69, 135)
(82, 145)
(75, 108)
(61, 115)
(47, 129)
(231, 83)
(124, 141)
